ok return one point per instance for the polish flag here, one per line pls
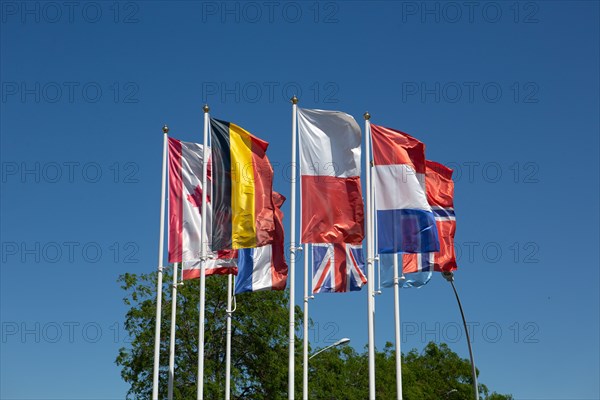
(405, 221)
(332, 204)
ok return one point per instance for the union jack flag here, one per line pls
(337, 267)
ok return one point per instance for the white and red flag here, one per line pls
(222, 262)
(332, 204)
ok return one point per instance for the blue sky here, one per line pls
(506, 93)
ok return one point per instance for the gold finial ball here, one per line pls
(206, 108)
(165, 129)
(294, 100)
(367, 115)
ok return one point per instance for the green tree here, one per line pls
(259, 340)
(260, 352)
(339, 373)
(434, 373)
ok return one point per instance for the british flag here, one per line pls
(337, 267)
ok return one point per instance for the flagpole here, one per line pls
(160, 268)
(370, 259)
(305, 337)
(204, 241)
(172, 344)
(291, 366)
(449, 276)
(228, 340)
(375, 238)
(397, 326)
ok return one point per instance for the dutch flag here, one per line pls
(405, 221)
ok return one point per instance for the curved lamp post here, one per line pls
(449, 276)
(339, 342)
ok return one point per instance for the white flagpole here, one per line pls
(228, 340)
(375, 238)
(292, 272)
(370, 259)
(173, 322)
(204, 242)
(305, 337)
(160, 268)
(397, 323)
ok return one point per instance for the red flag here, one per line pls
(332, 205)
(440, 196)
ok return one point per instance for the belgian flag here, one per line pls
(242, 189)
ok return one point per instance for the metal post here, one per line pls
(228, 338)
(397, 329)
(370, 259)
(339, 342)
(292, 271)
(204, 242)
(160, 268)
(173, 323)
(305, 338)
(449, 276)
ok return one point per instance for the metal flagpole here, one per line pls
(228, 340)
(370, 259)
(173, 322)
(374, 240)
(305, 337)
(397, 326)
(292, 272)
(160, 268)
(203, 257)
(449, 276)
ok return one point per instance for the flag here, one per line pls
(440, 195)
(407, 279)
(242, 185)
(332, 205)
(185, 200)
(405, 221)
(185, 208)
(219, 263)
(337, 267)
(418, 268)
(264, 268)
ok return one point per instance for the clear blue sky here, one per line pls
(506, 93)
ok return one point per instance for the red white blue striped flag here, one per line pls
(405, 221)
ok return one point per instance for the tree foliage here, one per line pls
(259, 340)
(260, 352)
